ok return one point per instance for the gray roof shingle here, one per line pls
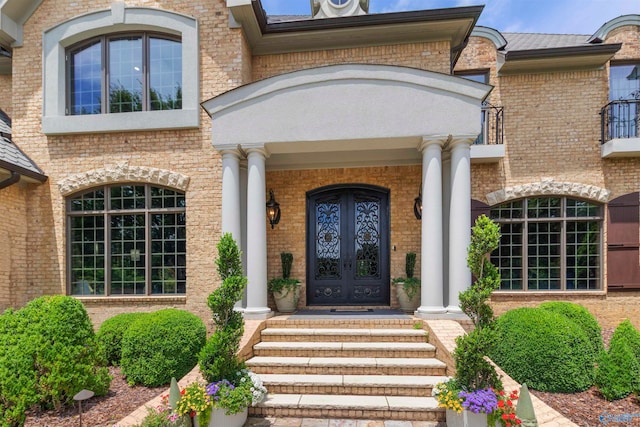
(530, 41)
(12, 156)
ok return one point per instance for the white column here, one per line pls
(243, 223)
(431, 272)
(256, 236)
(231, 195)
(459, 221)
(446, 201)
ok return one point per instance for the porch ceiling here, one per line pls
(351, 114)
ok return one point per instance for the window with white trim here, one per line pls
(127, 240)
(549, 244)
(139, 62)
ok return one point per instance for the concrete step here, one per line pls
(345, 349)
(346, 365)
(350, 406)
(372, 385)
(343, 335)
(344, 323)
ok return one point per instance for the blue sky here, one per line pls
(526, 16)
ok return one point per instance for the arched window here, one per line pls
(123, 73)
(549, 244)
(126, 239)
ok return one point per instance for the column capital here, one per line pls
(462, 140)
(439, 140)
(231, 153)
(255, 148)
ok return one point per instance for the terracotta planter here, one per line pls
(220, 418)
(407, 305)
(287, 300)
(466, 419)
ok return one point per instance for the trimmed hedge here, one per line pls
(48, 353)
(582, 317)
(544, 349)
(625, 331)
(618, 373)
(111, 332)
(161, 345)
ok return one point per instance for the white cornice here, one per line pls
(621, 21)
(13, 14)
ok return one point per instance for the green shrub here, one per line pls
(544, 349)
(48, 353)
(618, 372)
(111, 332)
(161, 345)
(625, 331)
(473, 371)
(582, 317)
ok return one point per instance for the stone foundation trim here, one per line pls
(549, 187)
(122, 172)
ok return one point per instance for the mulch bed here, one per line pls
(102, 411)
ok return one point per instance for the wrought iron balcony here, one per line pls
(488, 147)
(620, 119)
(620, 124)
(492, 125)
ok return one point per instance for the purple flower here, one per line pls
(479, 401)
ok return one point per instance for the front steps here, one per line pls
(365, 369)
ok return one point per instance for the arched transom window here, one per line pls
(549, 244)
(126, 240)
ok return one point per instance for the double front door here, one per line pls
(348, 246)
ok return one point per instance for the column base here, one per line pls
(454, 309)
(257, 313)
(426, 311)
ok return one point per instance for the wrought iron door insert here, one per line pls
(348, 246)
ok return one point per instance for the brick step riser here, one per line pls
(432, 415)
(347, 370)
(344, 324)
(341, 338)
(420, 354)
(422, 391)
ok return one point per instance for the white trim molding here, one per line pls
(122, 172)
(117, 19)
(549, 187)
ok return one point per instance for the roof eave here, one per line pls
(556, 59)
(453, 24)
(30, 175)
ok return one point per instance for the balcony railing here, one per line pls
(492, 125)
(620, 119)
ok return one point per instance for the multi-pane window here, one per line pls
(127, 240)
(623, 117)
(124, 73)
(549, 243)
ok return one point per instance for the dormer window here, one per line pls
(125, 73)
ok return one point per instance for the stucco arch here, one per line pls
(549, 187)
(346, 103)
(122, 172)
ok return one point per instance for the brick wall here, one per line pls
(432, 56)
(13, 235)
(5, 94)
(188, 152)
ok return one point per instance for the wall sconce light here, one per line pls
(417, 206)
(273, 210)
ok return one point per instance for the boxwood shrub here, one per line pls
(48, 353)
(625, 331)
(544, 349)
(618, 373)
(161, 345)
(111, 332)
(582, 317)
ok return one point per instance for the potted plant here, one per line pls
(221, 403)
(408, 288)
(229, 390)
(476, 387)
(285, 290)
